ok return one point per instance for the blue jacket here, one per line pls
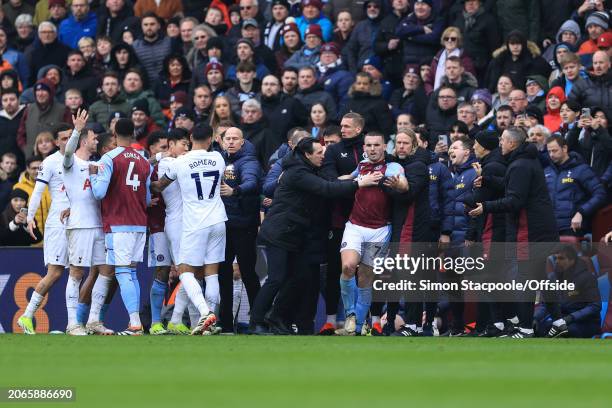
(243, 174)
(276, 168)
(463, 182)
(336, 82)
(19, 63)
(440, 197)
(71, 31)
(417, 45)
(327, 28)
(573, 187)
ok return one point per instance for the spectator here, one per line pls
(291, 44)
(518, 15)
(122, 59)
(184, 119)
(571, 68)
(215, 78)
(197, 57)
(596, 90)
(26, 182)
(555, 14)
(480, 34)
(165, 9)
(519, 58)
(554, 100)
(538, 135)
(335, 79)
(133, 89)
(504, 118)
(482, 102)
(282, 110)
(175, 76)
(335, 8)
(186, 26)
(13, 8)
(518, 102)
(387, 46)
(373, 66)
(596, 24)
(312, 14)
(143, 123)
(74, 100)
(403, 121)
(441, 113)
(154, 46)
(575, 190)
(504, 86)
(273, 29)
(113, 17)
(251, 31)
(79, 76)
(568, 33)
(246, 87)
(13, 222)
(455, 76)
(311, 92)
(80, 23)
(240, 194)
(569, 114)
(215, 18)
(42, 115)
(48, 50)
(344, 28)
(222, 112)
(309, 54)
(452, 41)
(574, 313)
(52, 73)
(360, 45)
(111, 100)
(15, 58)
(536, 89)
(559, 52)
(411, 98)
(365, 99)
(25, 32)
(202, 104)
(256, 131)
(592, 140)
(318, 121)
(289, 81)
(466, 114)
(8, 176)
(44, 145)
(419, 32)
(245, 52)
(10, 119)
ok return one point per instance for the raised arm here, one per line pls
(79, 120)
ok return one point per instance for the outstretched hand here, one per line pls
(80, 120)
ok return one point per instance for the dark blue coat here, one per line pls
(337, 82)
(463, 183)
(573, 187)
(276, 168)
(440, 197)
(416, 44)
(243, 206)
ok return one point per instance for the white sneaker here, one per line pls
(99, 329)
(349, 326)
(76, 330)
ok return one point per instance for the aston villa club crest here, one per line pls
(229, 174)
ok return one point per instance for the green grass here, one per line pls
(291, 372)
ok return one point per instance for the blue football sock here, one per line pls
(364, 300)
(103, 311)
(347, 290)
(158, 291)
(136, 284)
(127, 289)
(82, 313)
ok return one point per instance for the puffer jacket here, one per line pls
(463, 182)
(418, 46)
(441, 189)
(594, 91)
(243, 174)
(574, 187)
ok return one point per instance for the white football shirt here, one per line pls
(84, 208)
(198, 174)
(172, 193)
(51, 173)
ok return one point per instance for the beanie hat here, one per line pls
(180, 97)
(598, 18)
(45, 85)
(213, 64)
(412, 69)
(184, 112)
(314, 29)
(483, 95)
(214, 42)
(428, 2)
(374, 61)
(533, 111)
(487, 139)
(330, 47)
(316, 3)
(141, 105)
(290, 27)
(61, 3)
(19, 193)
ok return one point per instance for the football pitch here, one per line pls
(291, 372)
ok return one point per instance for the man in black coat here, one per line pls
(283, 111)
(113, 19)
(257, 131)
(529, 219)
(45, 50)
(388, 46)
(289, 219)
(78, 75)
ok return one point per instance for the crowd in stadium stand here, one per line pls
(456, 73)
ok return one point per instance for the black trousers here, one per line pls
(334, 269)
(280, 264)
(240, 243)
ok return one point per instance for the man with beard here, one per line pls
(153, 47)
(282, 110)
(42, 115)
(202, 102)
(10, 118)
(81, 23)
(113, 18)
(441, 112)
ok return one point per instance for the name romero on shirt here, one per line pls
(202, 162)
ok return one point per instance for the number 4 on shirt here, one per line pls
(132, 181)
(198, 183)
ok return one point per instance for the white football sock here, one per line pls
(72, 299)
(212, 292)
(194, 314)
(98, 297)
(33, 305)
(180, 303)
(194, 291)
(135, 319)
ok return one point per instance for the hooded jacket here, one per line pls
(28, 95)
(154, 107)
(574, 187)
(26, 184)
(243, 174)
(360, 44)
(40, 55)
(375, 112)
(526, 202)
(294, 205)
(10, 126)
(410, 216)
(463, 182)
(552, 119)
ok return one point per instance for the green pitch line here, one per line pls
(292, 372)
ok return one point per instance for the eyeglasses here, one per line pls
(203, 37)
(246, 7)
(452, 39)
